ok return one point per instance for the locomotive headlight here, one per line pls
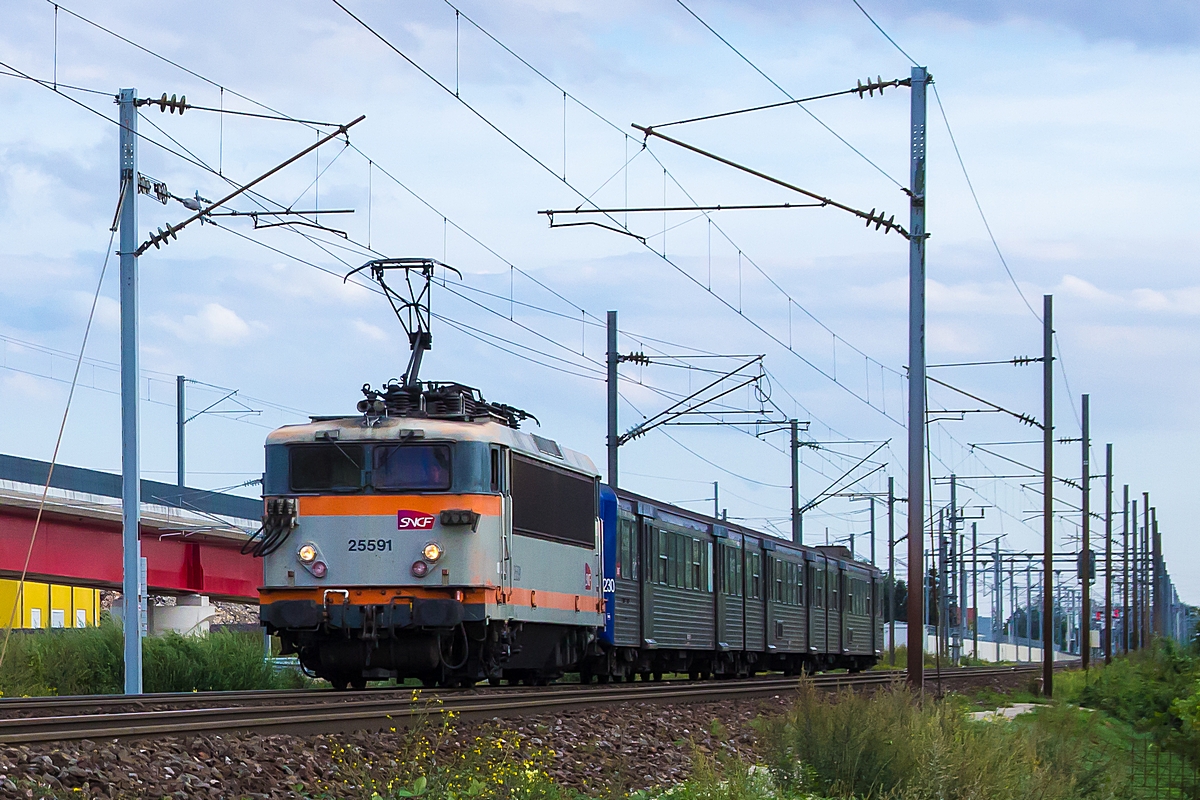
(307, 553)
(432, 552)
(420, 568)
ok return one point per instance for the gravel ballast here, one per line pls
(599, 750)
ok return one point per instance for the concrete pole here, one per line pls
(1146, 627)
(130, 457)
(916, 381)
(943, 607)
(952, 567)
(1048, 493)
(612, 399)
(716, 501)
(1014, 629)
(1160, 593)
(1085, 579)
(1125, 607)
(1029, 608)
(872, 502)
(962, 593)
(1108, 565)
(891, 594)
(797, 520)
(1135, 567)
(998, 622)
(180, 421)
(975, 589)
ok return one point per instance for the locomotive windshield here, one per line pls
(411, 467)
(324, 467)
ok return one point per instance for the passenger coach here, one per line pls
(697, 595)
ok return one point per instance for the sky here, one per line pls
(1072, 120)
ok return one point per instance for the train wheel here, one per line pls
(601, 678)
(359, 683)
(340, 682)
(645, 676)
(493, 681)
(657, 677)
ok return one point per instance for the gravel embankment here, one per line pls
(624, 747)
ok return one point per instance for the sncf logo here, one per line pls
(414, 521)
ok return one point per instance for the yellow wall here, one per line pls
(46, 605)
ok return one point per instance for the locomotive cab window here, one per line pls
(411, 467)
(325, 467)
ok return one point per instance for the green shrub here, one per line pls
(63, 662)
(887, 745)
(91, 661)
(1138, 688)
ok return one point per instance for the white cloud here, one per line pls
(212, 324)
(368, 331)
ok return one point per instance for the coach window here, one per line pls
(731, 578)
(698, 564)
(739, 589)
(626, 550)
(326, 467)
(755, 569)
(664, 554)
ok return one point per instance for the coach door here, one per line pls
(501, 463)
(754, 605)
(627, 621)
(729, 596)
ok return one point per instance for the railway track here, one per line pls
(31, 720)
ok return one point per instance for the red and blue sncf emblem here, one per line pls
(414, 521)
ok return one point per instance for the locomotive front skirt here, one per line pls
(460, 550)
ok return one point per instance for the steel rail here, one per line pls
(327, 712)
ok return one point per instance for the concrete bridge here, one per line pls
(191, 538)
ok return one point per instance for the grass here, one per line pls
(1155, 690)
(887, 745)
(90, 661)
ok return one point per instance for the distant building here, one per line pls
(47, 605)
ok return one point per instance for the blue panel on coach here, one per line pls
(608, 559)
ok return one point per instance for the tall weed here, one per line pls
(1139, 688)
(90, 661)
(887, 745)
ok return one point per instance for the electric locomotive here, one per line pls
(429, 537)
